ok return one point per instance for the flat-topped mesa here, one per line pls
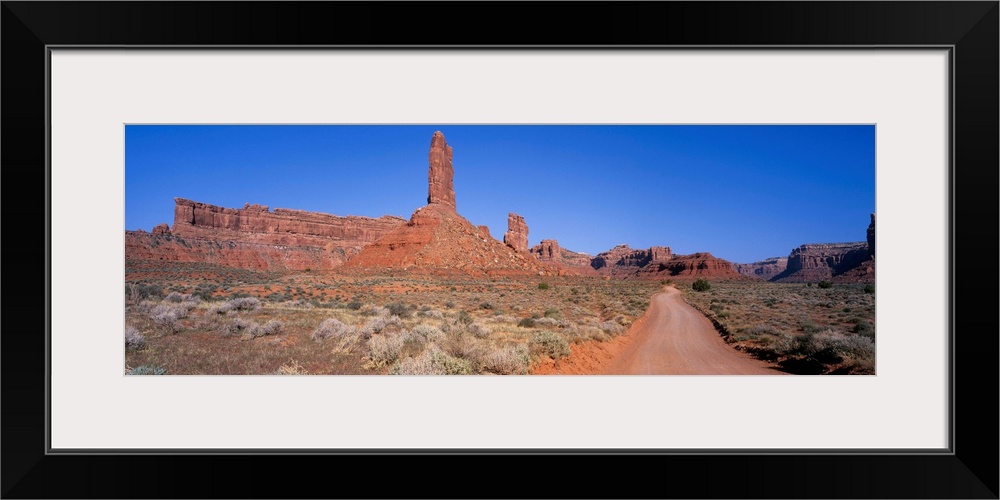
(440, 174)
(516, 236)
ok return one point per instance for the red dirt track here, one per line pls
(672, 338)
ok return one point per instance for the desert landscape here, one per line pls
(261, 291)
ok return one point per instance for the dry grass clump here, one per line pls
(512, 360)
(384, 350)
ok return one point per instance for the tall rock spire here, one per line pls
(440, 175)
(516, 236)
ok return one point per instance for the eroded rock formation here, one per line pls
(161, 228)
(566, 262)
(516, 236)
(440, 175)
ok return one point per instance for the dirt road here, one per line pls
(673, 338)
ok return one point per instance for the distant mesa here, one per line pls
(764, 269)
(836, 262)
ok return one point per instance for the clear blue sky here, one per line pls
(741, 192)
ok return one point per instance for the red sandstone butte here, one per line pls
(696, 265)
(440, 175)
(161, 228)
(437, 238)
(516, 236)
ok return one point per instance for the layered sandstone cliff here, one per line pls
(822, 261)
(763, 269)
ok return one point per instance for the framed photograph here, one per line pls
(118, 106)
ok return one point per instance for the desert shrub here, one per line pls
(175, 297)
(701, 285)
(147, 370)
(354, 305)
(611, 328)
(379, 324)
(133, 339)
(465, 318)
(824, 284)
(486, 305)
(332, 328)
(449, 305)
(169, 315)
(433, 361)
(384, 349)
(553, 313)
(869, 288)
(513, 360)
(550, 323)
(240, 326)
(526, 323)
(543, 286)
(272, 327)
(864, 328)
(244, 304)
(428, 333)
(399, 309)
(478, 331)
(550, 344)
(137, 292)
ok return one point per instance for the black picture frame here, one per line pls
(970, 29)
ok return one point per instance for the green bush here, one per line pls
(526, 323)
(825, 284)
(543, 286)
(869, 288)
(550, 344)
(701, 285)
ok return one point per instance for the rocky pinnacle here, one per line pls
(440, 174)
